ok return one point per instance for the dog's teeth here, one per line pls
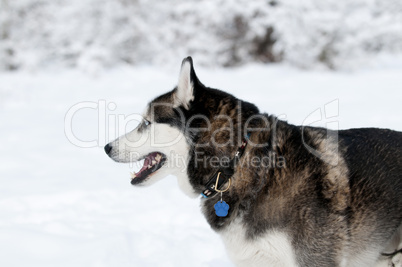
(149, 166)
(132, 174)
(158, 157)
(153, 162)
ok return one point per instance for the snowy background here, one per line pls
(335, 63)
(95, 34)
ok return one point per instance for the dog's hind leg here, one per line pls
(396, 260)
(397, 257)
(392, 256)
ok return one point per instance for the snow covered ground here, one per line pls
(63, 205)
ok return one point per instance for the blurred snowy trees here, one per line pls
(104, 33)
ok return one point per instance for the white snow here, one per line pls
(62, 205)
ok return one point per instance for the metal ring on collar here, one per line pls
(216, 184)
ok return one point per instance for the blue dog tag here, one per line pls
(221, 209)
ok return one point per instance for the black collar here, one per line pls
(224, 173)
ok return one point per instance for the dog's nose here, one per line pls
(108, 148)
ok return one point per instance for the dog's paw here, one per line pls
(221, 209)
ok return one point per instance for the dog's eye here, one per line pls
(146, 122)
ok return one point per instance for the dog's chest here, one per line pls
(270, 249)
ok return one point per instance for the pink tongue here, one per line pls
(147, 162)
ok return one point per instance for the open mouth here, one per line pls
(152, 163)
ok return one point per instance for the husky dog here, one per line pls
(278, 194)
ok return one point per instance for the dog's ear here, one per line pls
(184, 92)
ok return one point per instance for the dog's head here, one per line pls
(172, 125)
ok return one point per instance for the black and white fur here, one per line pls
(339, 206)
